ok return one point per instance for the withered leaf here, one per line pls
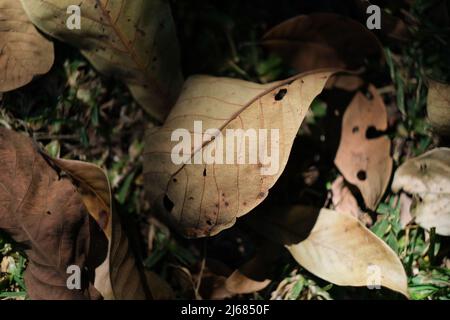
(119, 276)
(333, 245)
(203, 199)
(24, 52)
(323, 40)
(45, 213)
(427, 178)
(341, 250)
(363, 156)
(133, 40)
(438, 107)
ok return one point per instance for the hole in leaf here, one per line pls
(361, 175)
(355, 129)
(168, 204)
(204, 172)
(280, 94)
(373, 133)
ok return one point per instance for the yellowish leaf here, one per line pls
(202, 199)
(341, 250)
(363, 156)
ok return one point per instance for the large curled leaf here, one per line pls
(203, 199)
(341, 250)
(332, 245)
(118, 277)
(24, 52)
(133, 40)
(323, 40)
(438, 107)
(363, 156)
(46, 214)
(427, 178)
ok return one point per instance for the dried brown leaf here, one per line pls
(341, 250)
(133, 40)
(119, 276)
(24, 52)
(363, 157)
(323, 40)
(46, 214)
(332, 245)
(203, 199)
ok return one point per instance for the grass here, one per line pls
(82, 115)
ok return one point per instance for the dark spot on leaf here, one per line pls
(361, 175)
(355, 129)
(280, 94)
(204, 172)
(423, 167)
(174, 180)
(168, 204)
(209, 222)
(261, 195)
(48, 212)
(226, 204)
(191, 198)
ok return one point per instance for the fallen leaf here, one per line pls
(323, 40)
(438, 107)
(134, 40)
(427, 178)
(119, 276)
(341, 250)
(45, 213)
(203, 199)
(363, 156)
(333, 245)
(24, 52)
